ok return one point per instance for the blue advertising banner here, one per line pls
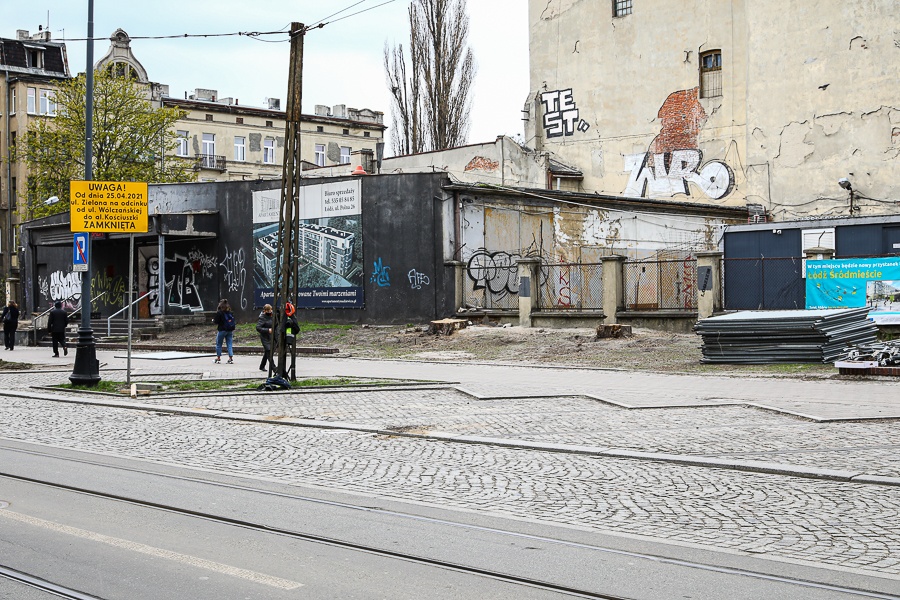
(855, 283)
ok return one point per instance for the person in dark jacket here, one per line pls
(10, 324)
(225, 325)
(57, 323)
(264, 326)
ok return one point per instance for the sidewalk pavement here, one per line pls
(838, 399)
(545, 389)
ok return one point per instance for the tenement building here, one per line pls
(765, 105)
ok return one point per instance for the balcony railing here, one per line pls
(210, 161)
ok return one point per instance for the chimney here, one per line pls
(273, 103)
(22, 35)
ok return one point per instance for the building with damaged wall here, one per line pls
(382, 249)
(763, 106)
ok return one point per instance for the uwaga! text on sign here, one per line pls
(108, 206)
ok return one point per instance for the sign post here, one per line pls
(102, 207)
(80, 252)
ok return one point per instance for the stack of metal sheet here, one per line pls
(784, 336)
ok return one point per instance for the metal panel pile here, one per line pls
(784, 336)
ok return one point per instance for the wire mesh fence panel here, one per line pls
(764, 283)
(661, 284)
(492, 286)
(571, 286)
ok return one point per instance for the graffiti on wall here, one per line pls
(381, 274)
(152, 267)
(112, 288)
(65, 287)
(202, 263)
(181, 284)
(561, 117)
(674, 159)
(497, 271)
(668, 174)
(235, 272)
(417, 280)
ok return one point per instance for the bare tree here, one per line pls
(431, 92)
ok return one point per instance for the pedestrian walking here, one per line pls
(10, 324)
(57, 323)
(225, 326)
(264, 326)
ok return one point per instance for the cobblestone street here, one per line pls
(843, 525)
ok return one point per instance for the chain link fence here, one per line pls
(661, 284)
(571, 286)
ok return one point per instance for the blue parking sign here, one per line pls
(80, 252)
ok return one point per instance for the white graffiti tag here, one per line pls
(65, 285)
(235, 272)
(417, 280)
(715, 179)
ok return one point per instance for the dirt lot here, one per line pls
(645, 350)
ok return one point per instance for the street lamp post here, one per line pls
(87, 367)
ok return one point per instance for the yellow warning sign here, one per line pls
(108, 206)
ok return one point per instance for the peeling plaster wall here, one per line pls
(832, 111)
(810, 94)
(502, 162)
(560, 232)
(624, 90)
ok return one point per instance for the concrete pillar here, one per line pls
(709, 283)
(459, 283)
(529, 291)
(613, 287)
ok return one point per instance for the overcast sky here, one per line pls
(342, 61)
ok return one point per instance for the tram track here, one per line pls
(44, 585)
(393, 554)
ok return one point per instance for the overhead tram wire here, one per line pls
(249, 34)
(359, 12)
(322, 20)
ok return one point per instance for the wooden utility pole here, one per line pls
(286, 283)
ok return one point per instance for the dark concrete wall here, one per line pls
(406, 221)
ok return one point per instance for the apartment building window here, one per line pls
(12, 105)
(48, 104)
(367, 134)
(31, 107)
(269, 124)
(320, 155)
(239, 120)
(711, 74)
(345, 155)
(239, 149)
(182, 148)
(209, 144)
(621, 8)
(13, 193)
(346, 132)
(320, 129)
(269, 151)
(34, 58)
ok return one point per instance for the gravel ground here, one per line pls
(645, 350)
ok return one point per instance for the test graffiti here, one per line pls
(381, 275)
(417, 280)
(561, 117)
